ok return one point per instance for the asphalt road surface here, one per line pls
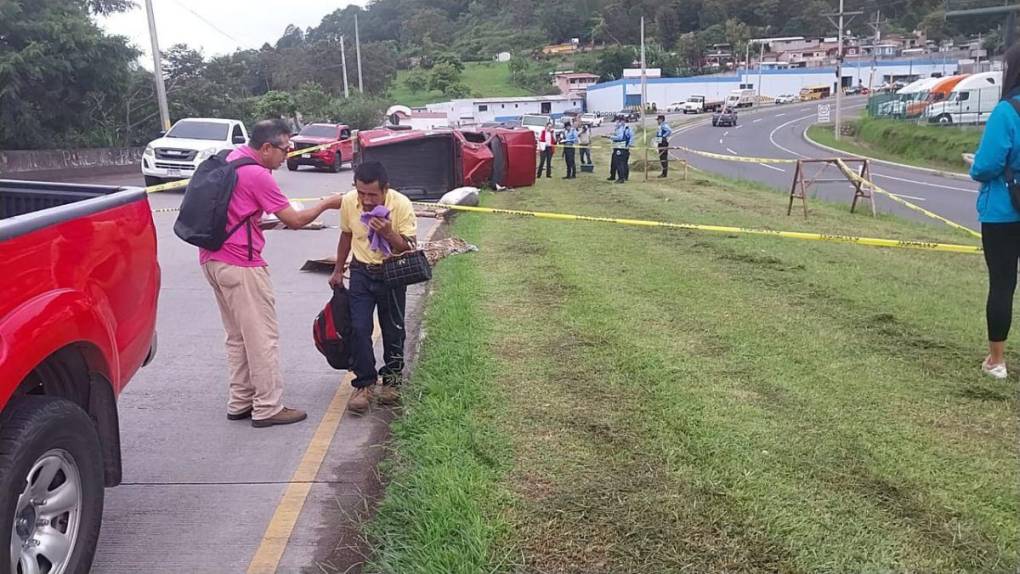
(199, 491)
(778, 132)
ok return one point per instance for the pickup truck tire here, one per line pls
(292, 166)
(54, 523)
(152, 180)
(338, 162)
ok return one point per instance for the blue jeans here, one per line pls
(367, 292)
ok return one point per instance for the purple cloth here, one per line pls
(375, 240)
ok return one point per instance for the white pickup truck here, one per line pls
(699, 104)
(189, 142)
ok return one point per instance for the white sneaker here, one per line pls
(994, 371)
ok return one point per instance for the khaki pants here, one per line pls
(248, 308)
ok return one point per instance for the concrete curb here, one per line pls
(943, 173)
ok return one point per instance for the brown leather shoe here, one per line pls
(285, 417)
(360, 401)
(387, 395)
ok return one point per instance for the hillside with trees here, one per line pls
(65, 83)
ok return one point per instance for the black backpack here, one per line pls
(202, 220)
(1012, 185)
(331, 330)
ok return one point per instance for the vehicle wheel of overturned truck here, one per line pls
(51, 487)
(338, 163)
(152, 180)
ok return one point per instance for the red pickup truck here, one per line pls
(79, 283)
(332, 157)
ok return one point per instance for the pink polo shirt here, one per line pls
(256, 193)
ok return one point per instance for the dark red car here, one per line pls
(333, 157)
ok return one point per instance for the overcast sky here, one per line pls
(218, 26)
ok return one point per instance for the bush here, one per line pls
(359, 112)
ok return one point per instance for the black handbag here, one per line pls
(407, 268)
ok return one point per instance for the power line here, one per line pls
(208, 23)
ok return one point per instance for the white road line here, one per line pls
(731, 151)
(740, 126)
(780, 115)
(915, 198)
(924, 183)
(726, 133)
(772, 167)
(720, 141)
(772, 134)
(756, 121)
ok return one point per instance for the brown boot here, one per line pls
(387, 395)
(285, 417)
(360, 401)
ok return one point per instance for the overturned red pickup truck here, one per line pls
(427, 164)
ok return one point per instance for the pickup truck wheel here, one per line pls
(338, 163)
(151, 181)
(51, 487)
(291, 166)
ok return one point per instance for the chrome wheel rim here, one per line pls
(47, 516)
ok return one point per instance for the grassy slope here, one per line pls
(599, 398)
(905, 142)
(486, 79)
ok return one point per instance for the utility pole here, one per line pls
(644, 95)
(343, 64)
(761, 57)
(839, 61)
(876, 26)
(357, 48)
(164, 109)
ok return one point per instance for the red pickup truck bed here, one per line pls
(79, 282)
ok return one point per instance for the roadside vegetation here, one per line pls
(601, 398)
(935, 147)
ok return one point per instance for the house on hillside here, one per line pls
(574, 82)
(718, 56)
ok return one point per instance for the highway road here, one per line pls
(778, 132)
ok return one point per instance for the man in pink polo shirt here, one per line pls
(240, 279)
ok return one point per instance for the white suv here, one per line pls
(188, 143)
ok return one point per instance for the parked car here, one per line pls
(176, 154)
(339, 152)
(591, 120)
(77, 321)
(725, 117)
(786, 99)
(628, 115)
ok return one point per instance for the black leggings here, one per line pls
(1001, 242)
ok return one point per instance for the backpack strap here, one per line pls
(234, 165)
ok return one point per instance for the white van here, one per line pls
(970, 102)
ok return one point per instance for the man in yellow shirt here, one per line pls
(375, 222)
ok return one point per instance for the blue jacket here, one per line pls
(999, 144)
(664, 131)
(623, 136)
(570, 137)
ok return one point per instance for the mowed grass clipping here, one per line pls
(597, 398)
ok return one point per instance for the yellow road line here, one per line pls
(288, 510)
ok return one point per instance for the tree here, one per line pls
(612, 61)
(667, 24)
(275, 105)
(313, 102)
(417, 81)
(457, 90)
(442, 77)
(360, 112)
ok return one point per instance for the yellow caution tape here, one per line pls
(850, 173)
(184, 182)
(869, 241)
(733, 157)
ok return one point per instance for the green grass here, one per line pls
(909, 143)
(486, 79)
(603, 398)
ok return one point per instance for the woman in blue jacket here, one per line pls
(1000, 221)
